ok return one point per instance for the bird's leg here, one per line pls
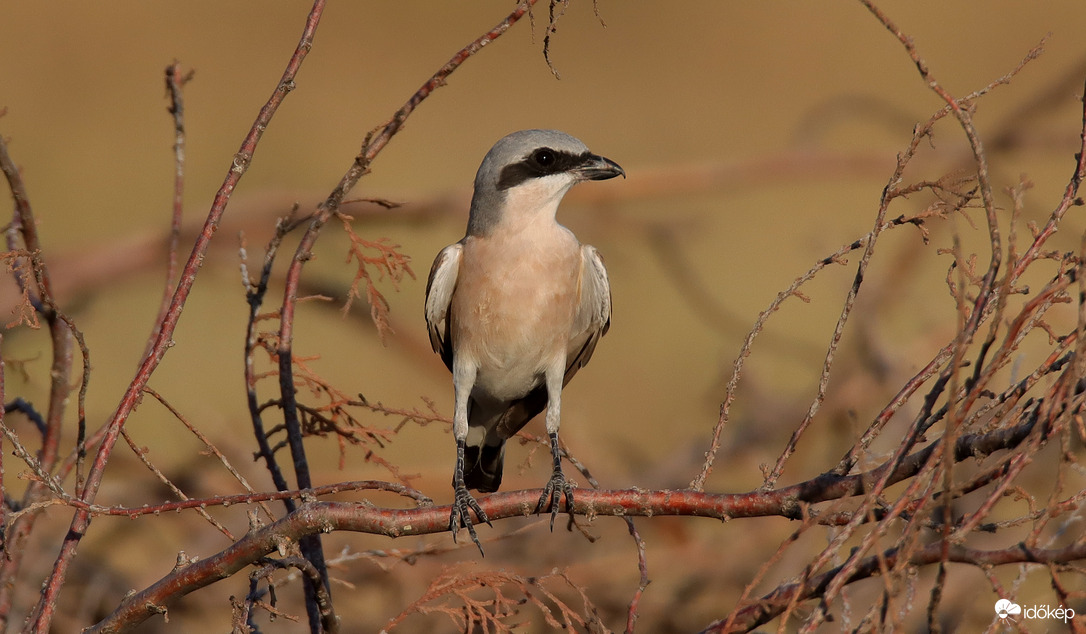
(463, 502)
(557, 486)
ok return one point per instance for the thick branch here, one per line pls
(323, 517)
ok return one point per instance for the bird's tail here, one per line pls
(483, 461)
(484, 466)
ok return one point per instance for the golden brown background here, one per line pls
(757, 138)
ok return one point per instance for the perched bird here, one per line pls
(515, 309)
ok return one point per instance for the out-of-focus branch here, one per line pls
(373, 144)
(60, 333)
(775, 603)
(322, 517)
(329, 622)
(175, 83)
(82, 274)
(46, 607)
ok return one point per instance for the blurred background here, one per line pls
(756, 137)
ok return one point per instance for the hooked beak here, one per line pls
(599, 168)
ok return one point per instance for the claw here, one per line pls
(556, 487)
(463, 503)
(551, 498)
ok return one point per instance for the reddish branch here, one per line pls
(60, 376)
(322, 517)
(329, 622)
(866, 243)
(373, 144)
(319, 517)
(775, 603)
(175, 82)
(133, 512)
(961, 401)
(44, 612)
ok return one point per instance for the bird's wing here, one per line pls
(593, 316)
(439, 291)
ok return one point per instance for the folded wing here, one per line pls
(439, 290)
(593, 316)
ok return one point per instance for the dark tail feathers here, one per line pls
(483, 467)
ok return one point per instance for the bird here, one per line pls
(515, 309)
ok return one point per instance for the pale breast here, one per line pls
(513, 307)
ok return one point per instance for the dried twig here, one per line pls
(43, 614)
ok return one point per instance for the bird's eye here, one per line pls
(544, 157)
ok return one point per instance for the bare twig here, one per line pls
(60, 371)
(319, 517)
(43, 614)
(175, 83)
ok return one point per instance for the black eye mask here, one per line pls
(541, 162)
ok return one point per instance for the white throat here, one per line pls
(534, 202)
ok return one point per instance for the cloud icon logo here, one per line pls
(1007, 609)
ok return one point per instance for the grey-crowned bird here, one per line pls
(516, 308)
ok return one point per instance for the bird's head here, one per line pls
(528, 172)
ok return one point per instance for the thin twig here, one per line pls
(175, 83)
(44, 612)
(375, 141)
(60, 373)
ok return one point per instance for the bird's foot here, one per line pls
(555, 488)
(463, 504)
